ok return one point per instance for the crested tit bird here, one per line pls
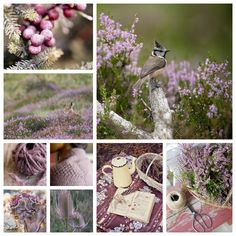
(153, 66)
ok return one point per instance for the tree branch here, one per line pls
(161, 112)
(126, 128)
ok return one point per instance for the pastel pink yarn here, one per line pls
(30, 158)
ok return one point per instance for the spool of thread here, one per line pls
(176, 200)
(30, 158)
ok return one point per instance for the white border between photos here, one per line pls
(94, 140)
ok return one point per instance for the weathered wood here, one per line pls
(125, 127)
(161, 113)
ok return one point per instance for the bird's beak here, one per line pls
(167, 50)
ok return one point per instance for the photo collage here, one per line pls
(117, 116)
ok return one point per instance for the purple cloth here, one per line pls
(114, 223)
(75, 170)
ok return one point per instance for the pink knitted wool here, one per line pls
(75, 170)
(30, 162)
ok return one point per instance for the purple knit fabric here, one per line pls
(75, 170)
(30, 160)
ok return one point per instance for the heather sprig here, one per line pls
(117, 47)
(207, 170)
(117, 55)
(201, 98)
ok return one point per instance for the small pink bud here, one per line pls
(50, 43)
(32, 27)
(34, 50)
(37, 39)
(81, 6)
(53, 14)
(46, 24)
(68, 13)
(40, 9)
(47, 34)
(28, 33)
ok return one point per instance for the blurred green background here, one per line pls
(191, 31)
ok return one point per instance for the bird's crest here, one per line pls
(157, 45)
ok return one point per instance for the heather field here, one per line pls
(48, 106)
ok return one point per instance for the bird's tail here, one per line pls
(137, 86)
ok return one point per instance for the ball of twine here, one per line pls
(30, 158)
(176, 200)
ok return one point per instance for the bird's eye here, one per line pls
(155, 50)
(154, 53)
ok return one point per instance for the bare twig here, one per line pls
(146, 105)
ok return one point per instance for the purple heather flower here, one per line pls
(212, 111)
(211, 166)
(213, 108)
(210, 73)
(118, 44)
(134, 92)
(203, 92)
(176, 74)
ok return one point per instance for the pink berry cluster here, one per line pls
(38, 32)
